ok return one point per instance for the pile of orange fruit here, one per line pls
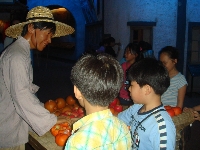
(61, 132)
(68, 107)
(173, 111)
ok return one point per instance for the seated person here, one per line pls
(175, 94)
(103, 45)
(97, 81)
(145, 50)
(151, 126)
(109, 48)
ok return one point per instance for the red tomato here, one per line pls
(66, 108)
(116, 113)
(170, 112)
(118, 108)
(115, 102)
(65, 124)
(177, 110)
(118, 102)
(60, 102)
(75, 108)
(75, 114)
(80, 110)
(66, 131)
(70, 100)
(111, 106)
(112, 110)
(72, 116)
(81, 115)
(55, 129)
(51, 106)
(167, 107)
(57, 113)
(61, 139)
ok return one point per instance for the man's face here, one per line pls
(41, 38)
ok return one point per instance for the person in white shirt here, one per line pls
(19, 107)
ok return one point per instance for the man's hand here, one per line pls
(63, 119)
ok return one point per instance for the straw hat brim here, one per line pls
(61, 29)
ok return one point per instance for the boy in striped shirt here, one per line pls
(151, 126)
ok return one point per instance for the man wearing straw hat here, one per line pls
(19, 107)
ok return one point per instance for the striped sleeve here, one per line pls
(162, 131)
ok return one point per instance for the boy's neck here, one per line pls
(92, 109)
(151, 105)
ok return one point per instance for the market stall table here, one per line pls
(45, 142)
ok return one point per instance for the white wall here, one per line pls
(164, 13)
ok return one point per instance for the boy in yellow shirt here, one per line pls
(97, 81)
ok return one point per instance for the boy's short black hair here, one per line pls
(40, 25)
(150, 71)
(99, 78)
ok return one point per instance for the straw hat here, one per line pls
(38, 14)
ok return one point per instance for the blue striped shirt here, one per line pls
(155, 133)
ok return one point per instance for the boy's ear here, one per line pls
(77, 93)
(148, 89)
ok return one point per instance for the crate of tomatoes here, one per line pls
(181, 119)
(69, 108)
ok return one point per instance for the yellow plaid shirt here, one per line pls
(100, 131)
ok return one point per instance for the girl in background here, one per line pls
(175, 94)
(131, 55)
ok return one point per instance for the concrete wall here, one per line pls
(164, 13)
